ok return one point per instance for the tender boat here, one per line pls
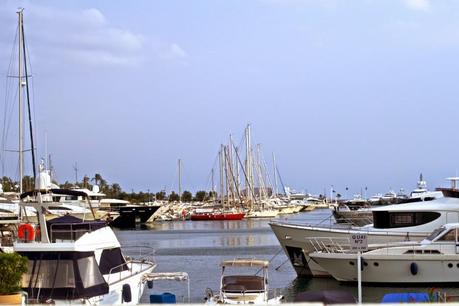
(392, 223)
(76, 261)
(434, 260)
(244, 288)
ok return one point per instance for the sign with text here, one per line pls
(358, 242)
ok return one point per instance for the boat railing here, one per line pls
(342, 245)
(139, 252)
(328, 244)
(125, 270)
(70, 231)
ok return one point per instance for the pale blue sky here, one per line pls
(350, 93)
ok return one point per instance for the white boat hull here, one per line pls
(294, 241)
(397, 269)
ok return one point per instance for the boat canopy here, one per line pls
(245, 262)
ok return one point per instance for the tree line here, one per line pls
(113, 190)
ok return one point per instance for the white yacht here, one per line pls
(73, 261)
(432, 261)
(248, 288)
(399, 222)
(421, 191)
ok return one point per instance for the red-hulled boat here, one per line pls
(217, 216)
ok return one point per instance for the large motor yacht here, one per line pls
(432, 261)
(400, 222)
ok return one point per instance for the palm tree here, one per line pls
(86, 181)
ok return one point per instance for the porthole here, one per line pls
(376, 264)
(450, 265)
(365, 263)
(457, 265)
(351, 263)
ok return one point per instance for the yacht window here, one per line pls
(89, 272)
(52, 273)
(402, 219)
(112, 260)
(449, 236)
(385, 219)
(435, 233)
(59, 208)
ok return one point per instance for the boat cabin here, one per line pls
(66, 268)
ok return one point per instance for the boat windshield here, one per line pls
(435, 233)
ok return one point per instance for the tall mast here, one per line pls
(221, 176)
(23, 82)
(248, 165)
(213, 184)
(26, 75)
(180, 179)
(20, 84)
(275, 174)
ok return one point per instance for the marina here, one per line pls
(193, 246)
(233, 231)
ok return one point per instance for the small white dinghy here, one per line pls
(243, 288)
(433, 260)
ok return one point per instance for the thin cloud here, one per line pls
(84, 36)
(418, 5)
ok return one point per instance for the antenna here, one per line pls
(75, 168)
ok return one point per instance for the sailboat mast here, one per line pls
(248, 166)
(180, 179)
(213, 184)
(275, 174)
(20, 84)
(221, 176)
(26, 75)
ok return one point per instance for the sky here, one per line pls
(346, 93)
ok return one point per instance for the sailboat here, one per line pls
(72, 260)
(225, 212)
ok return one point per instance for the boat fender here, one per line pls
(150, 284)
(126, 293)
(26, 232)
(414, 268)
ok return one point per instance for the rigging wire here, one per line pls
(9, 107)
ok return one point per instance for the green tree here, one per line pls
(200, 196)
(8, 184)
(160, 195)
(173, 197)
(187, 196)
(86, 182)
(66, 185)
(12, 267)
(116, 189)
(212, 195)
(28, 183)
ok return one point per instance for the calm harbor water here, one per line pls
(198, 247)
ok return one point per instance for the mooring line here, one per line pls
(269, 260)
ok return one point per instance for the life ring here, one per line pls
(26, 232)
